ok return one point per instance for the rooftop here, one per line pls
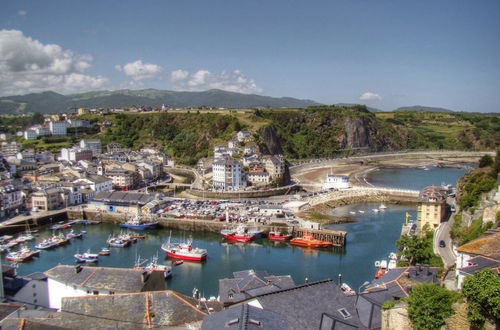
(487, 245)
(123, 197)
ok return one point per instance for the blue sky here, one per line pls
(384, 54)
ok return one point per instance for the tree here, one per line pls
(429, 305)
(482, 291)
(485, 161)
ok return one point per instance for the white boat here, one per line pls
(347, 290)
(382, 207)
(392, 264)
(376, 210)
(352, 212)
(361, 211)
(383, 264)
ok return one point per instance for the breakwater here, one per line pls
(244, 194)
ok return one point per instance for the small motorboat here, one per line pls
(375, 210)
(382, 207)
(361, 211)
(177, 262)
(347, 290)
(278, 236)
(87, 257)
(73, 234)
(104, 252)
(352, 212)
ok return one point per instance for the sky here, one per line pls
(385, 54)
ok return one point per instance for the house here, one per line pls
(336, 182)
(32, 289)
(250, 283)
(30, 134)
(220, 152)
(92, 144)
(431, 207)
(245, 317)
(49, 199)
(394, 285)
(75, 154)
(114, 147)
(74, 281)
(122, 179)
(244, 136)
(228, 175)
(97, 183)
(258, 178)
(275, 166)
(314, 305)
(11, 199)
(58, 127)
(481, 253)
(233, 143)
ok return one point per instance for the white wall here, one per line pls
(34, 292)
(58, 290)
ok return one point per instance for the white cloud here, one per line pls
(369, 96)
(22, 12)
(138, 70)
(234, 81)
(27, 65)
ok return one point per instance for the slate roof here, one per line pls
(251, 283)
(394, 285)
(106, 278)
(304, 306)
(160, 309)
(479, 262)
(486, 245)
(245, 317)
(123, 197)
(7, 309)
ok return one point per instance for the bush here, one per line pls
(388, 305)
(483, 297)
(485, 161)
(429, 305)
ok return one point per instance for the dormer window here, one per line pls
(345, 314)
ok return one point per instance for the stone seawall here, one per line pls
(243, 194)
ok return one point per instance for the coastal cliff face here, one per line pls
(358, 133)
(270, 143)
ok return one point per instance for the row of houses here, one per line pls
(54, 128)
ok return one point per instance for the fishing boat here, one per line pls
(23, 254)
(73, 234)
(393, 259)
(276, 235)
(104, 252)
(153, 266)
(184, 251)
(138, 223)
(118, 241)
(307, 240)
(256, 233)
(240, 234)
(87, 257)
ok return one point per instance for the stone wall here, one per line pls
(243, 194)
(396, 318)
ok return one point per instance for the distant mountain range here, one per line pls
(51, 102)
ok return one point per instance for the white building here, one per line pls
(220, 152)
(76, 281)
(94, 145)
(97, 183)
(75, 154)
(228, 175)
(30, 134)
(336, 182)
(244, 136)
(258, 178)
(58, 127)
(42, 131)
(11, 199)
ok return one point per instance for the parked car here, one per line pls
(442, 244)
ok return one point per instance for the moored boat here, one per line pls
(184, 251)
(73, 234)
(23, 254)
(104, 252)
(153, 266)
(240, 234)
(87, 257)
(307, 240)
(347, 290)
(60, 226)
(276, 235)
(138, 223)
(381, 268)
(117, 241)
(382, 207)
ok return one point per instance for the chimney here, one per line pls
(144, 277)
(78, 268)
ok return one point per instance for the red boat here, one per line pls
(278, 236)
(184, 251)
(309, 241)
(240, 234)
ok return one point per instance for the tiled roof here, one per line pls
(487, 245)
(479, 262)
(123, 197)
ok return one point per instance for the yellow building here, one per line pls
(431, 208)
(82, 111)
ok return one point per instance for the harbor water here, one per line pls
(369, 239)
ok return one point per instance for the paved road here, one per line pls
(443, 234)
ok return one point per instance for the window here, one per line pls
(95, 292)
(345, 314)
(34, 294)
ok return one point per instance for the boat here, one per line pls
(104, 252)
(153, 266)
(87, 257)
(118, 241)
(375, 210)
(307, 240)
(382, 207)
(137, 223)
(184, 251)
(256, 233)
(352, 212)
(23, 254)
(361, 211)
(381, 268)
(60, 226)
(177, 262)
(240, 234)
(276, 235)
(393, 261)
(347, 290)
(73, 234)
(52, 242)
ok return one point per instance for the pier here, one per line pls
(337, 237)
